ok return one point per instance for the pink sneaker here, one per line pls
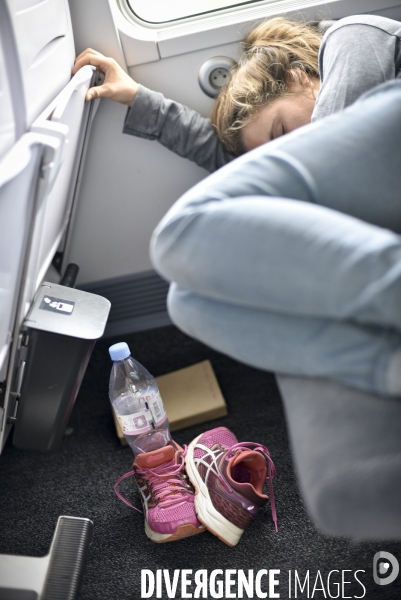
(228, 477)
(166, 493)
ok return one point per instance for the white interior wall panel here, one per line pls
(177, 77)
(129, 183)
(102, 36)
(391, 13)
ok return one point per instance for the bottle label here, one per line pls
(139, 422)
(157, 409)
(151, 417)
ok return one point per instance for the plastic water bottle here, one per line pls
(137, 403)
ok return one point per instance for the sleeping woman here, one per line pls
(289, 257)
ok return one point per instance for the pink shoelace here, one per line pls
(165, 482)
(271, 469)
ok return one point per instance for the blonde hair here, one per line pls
(272, 50)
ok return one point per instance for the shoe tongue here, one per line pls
(253, 460)
(156, 457)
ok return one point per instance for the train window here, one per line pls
(156, 12)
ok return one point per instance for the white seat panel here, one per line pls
(64, 114)
(7, 119)
(19, 171)
(45, 45)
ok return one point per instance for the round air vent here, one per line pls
(213, 74)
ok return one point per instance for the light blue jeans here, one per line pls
(289, 258)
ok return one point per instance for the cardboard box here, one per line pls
(190, 396)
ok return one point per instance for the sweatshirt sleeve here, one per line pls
(177, 127)
(356, 55)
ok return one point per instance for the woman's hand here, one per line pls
(117, 84)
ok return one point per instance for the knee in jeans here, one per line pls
(179, 308)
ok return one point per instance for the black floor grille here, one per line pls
(138, 302)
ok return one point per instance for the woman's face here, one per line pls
(281, 116)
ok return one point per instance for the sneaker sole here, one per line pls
(214, 521)
(183, 531)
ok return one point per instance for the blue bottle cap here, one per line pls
(119, 351)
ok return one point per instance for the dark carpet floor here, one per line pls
(78, 480)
